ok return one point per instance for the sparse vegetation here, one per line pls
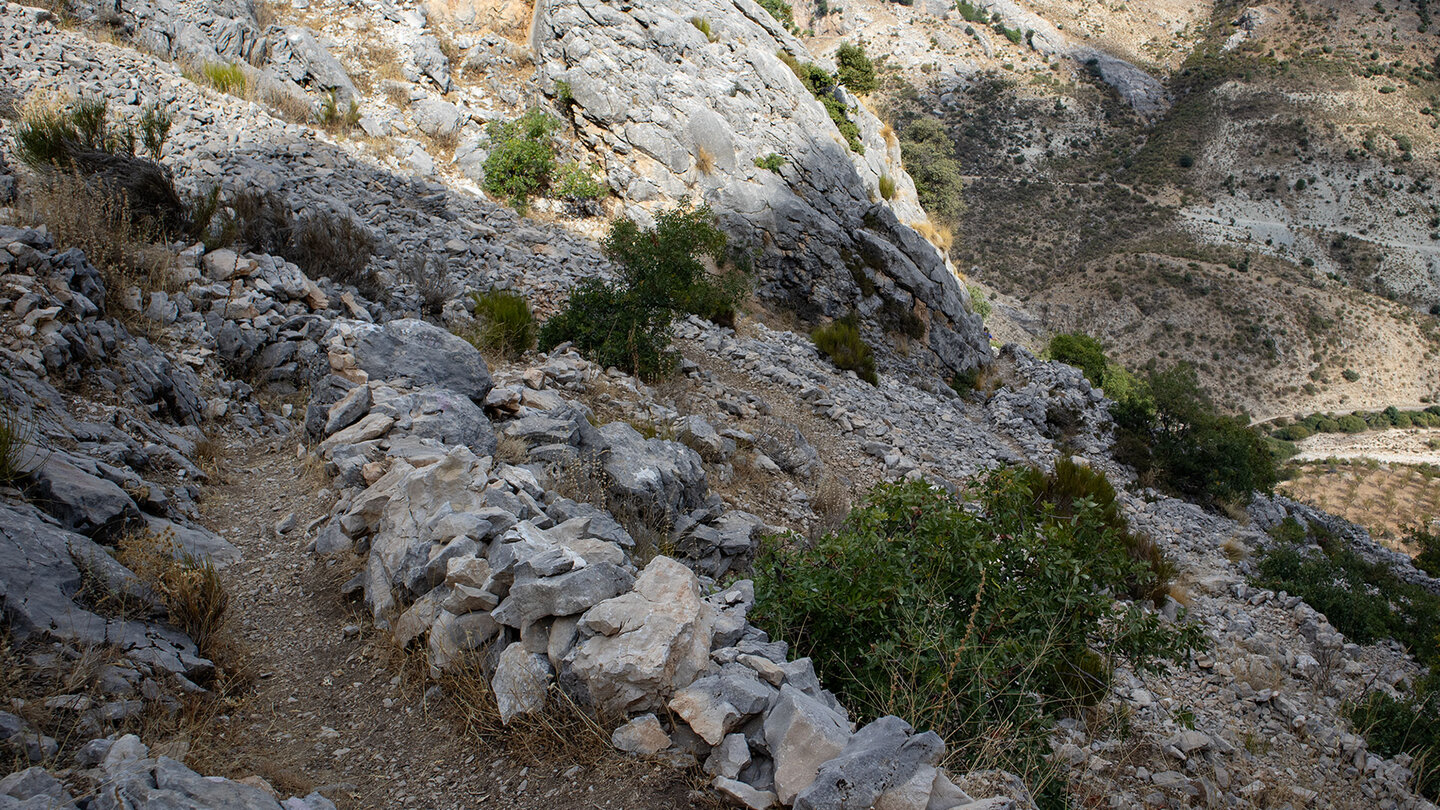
(332, 116)
(522, 156)
(771, 162)
(626, 323)
(578, 186)
(781, 10)
(887, 187)
(191, 589)
(1408, 724)
(928, 609)
(227, 77)
(322, 243)
(979, 304)
(155, 123)
(506, 324)
(17, 450)
(702, 24)
(840, 341)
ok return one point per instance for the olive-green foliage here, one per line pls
(1357, 421)
(522, 156)
(855, 70)
(578, 184)
(1428, 560)
(849, 130)
(1173, 434)
(507, 326)
(1366, 601)
(1408, 724)
(929, 156)
(841, 342)
(978, 303)
(781, 10)
(820, 83)
(971, 13)
(772, 162)
(978, 621)
(887, 187)
(225, 77)
(1081, 351)
(626, 323)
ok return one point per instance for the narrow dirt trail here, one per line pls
(334, 708)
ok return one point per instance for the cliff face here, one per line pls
(681, 115)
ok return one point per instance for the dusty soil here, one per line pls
(336, 708)
(1385, 498)
(1409, 446)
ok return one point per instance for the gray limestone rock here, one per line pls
(425, 355)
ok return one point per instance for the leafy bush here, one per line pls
(855, 70)
(781, 10)
(522, 156)
(820, 83)
(772, 162)
(841, 342)
(849, 130)
(507, 326)
(577, 184)
(626, 323)
(1081, 351)
(225, 77)
(977, 621)
(1171, 432)
(971, 13)
(887, 187)
(1365, 601)
(1350, 374)
(1408, 724)
(1428, 560)
(978, 303)
(929, 156)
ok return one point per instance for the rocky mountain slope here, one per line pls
(1266, 214)
(542, 533)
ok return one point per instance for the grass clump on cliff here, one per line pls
(840, 341)
(980, 620)
(664, 271)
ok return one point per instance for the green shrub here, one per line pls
(772, 162)
(577, 184)
(522, 156)
(1081, 351)
(781, 10)
(507, 326)
(971, 13)
(887, 187)
(1365, 601)
(1409, 724)
(855, 70)
(841, 342)
(848, 129)
(979, 621)
(626, 323)
(978, 303)
(1428, 560)
(225, 77)
(1350, 423)
(702, 24)
(929, 156)
(1350, 374)
(1171, 432)
(50, 137)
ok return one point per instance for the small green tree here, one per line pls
(855, 70)
(1081, 351)
(626, 323)
(929, 156)
(522, 156)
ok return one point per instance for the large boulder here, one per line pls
(652, 478)
(635, 650)
(424, 354)
(886, 764)
(81, 501)
(802, 733)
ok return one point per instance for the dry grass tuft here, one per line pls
(512, 450)
(704, 161)
(937, 235)
(1234, 549)
(563, 729)
(831, 502)
(194, 597)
